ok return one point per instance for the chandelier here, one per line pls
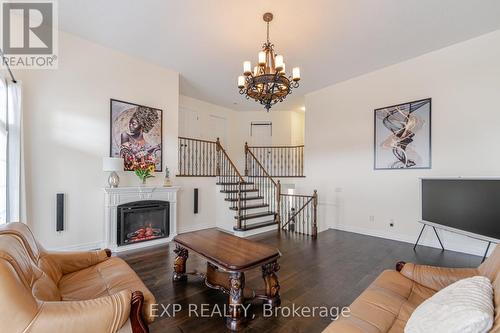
(268, 83)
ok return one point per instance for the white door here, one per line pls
(218, 129)
(189, 124)
(261, 134)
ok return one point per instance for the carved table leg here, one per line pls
(180, 264)
(235, 316)
(272, 283)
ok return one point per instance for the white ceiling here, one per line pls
(207, 41)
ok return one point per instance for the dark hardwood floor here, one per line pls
(330, 271)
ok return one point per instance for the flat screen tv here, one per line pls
(463, 204)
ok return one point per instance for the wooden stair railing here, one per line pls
(256, 197)
(278, 161)
(268, 188)
(300, 213)
(197, 158)
(233, 183)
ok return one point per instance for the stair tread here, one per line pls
(244, 199)
(234, 183)
(243, 190)
(250, 206)
(255, 215)
(257, 225)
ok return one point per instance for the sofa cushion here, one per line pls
(464, 306)
(490, 268)
(384, 306)
(106, 278)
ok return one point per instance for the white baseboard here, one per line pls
(477, 248)
(80, 247)
(195, 227)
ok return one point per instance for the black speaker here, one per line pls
(196, 201)
(59, 211)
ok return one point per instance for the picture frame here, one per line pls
(136, 134)
(402, 136)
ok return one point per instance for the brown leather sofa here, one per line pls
(47, 292)
(387, 304)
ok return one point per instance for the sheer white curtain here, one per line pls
(14, 149)
(12, 207)
(3, 150)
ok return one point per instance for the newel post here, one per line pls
(315, 214)
(217, 149)
(246, 158)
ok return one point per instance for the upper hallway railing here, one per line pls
(278, 161)
(197, 158)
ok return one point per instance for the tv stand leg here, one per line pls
(439, 239)
(486, 252)
(419, 235)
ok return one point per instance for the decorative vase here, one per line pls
(143, 181)
(166, 181)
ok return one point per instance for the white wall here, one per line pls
(66, 114)
(297, 127)
(463, 81)
(201, 129)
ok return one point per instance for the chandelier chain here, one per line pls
(267, 32)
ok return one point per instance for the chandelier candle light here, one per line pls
(267, 83)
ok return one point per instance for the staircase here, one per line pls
(253, 199)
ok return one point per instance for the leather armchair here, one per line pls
(44, 291)
(387, 304)
(436, 278)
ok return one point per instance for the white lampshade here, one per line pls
(296, 73)
(112, 164)
(262, 58)
(241, 81)
(279, 63)
(247, 68)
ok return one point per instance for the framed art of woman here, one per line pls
(136, 134)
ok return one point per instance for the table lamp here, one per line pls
(112, 164)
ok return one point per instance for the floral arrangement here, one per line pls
(144, 168)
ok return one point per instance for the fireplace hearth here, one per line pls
(141, 221)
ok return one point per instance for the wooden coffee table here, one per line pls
(228, 257)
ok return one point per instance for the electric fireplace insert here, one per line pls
(142, 221)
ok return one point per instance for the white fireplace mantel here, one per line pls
(121, 195)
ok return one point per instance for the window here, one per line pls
(10, 151)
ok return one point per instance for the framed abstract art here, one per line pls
(136, 134)
(403, 136)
